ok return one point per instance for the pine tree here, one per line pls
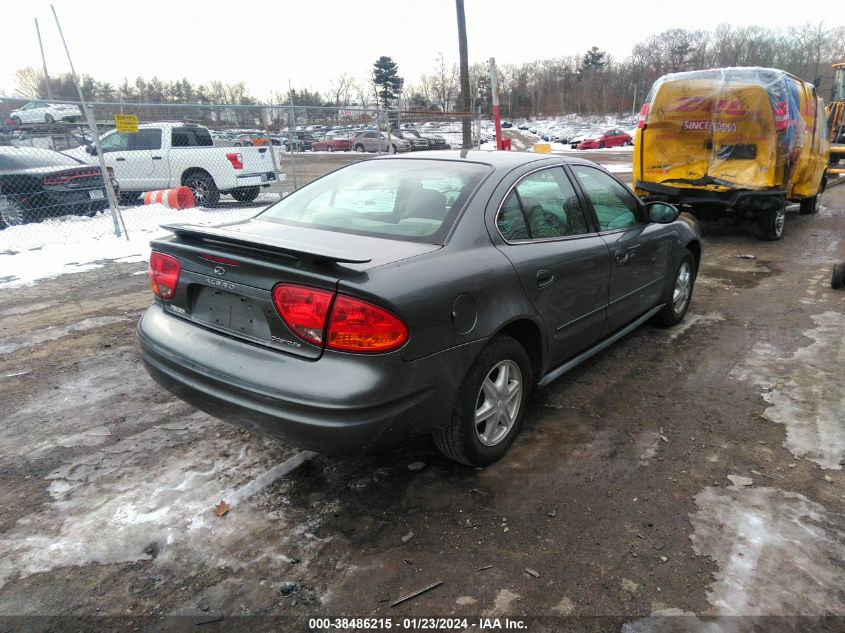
(386, 78)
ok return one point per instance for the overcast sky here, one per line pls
(268, 42)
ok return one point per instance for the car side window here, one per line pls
(115, 142)
(549, 207)
(616, 207)
(147, 139)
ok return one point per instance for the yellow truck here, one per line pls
(733, 141)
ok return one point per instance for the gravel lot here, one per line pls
(616, 496)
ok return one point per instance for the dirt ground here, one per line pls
(614, 501)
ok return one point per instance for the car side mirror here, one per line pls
(662, 212)
(91, 149)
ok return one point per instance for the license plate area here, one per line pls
(231, 312)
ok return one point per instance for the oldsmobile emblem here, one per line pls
(219, 270)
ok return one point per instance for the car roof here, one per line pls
(497, 159)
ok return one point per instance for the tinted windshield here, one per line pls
(409, 199)
(32, 157)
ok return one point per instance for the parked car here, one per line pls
(435, 141)
(43, 112)
(739, 142)
(374, 141)
(507, 124)
(332, 142)
(300, 141)
(417, 141)
(412, 295)
(165, 155)
(611, 138)
(39, 183)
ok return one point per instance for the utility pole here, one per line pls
(43, 62)
(497, 115)
(466, 98)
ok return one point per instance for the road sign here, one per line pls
(126, 123)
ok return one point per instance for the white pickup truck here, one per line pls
(165, 155)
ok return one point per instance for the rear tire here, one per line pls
(837, 280)
(811, 206)
(245, 194)
(329, 149)
(771, 225)
(206, 193)
(489, 406)
(12, 213)
(679, 294)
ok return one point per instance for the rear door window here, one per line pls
(146, 139)
(191, 137)
(549, 207)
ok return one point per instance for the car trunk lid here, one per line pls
(228, 273)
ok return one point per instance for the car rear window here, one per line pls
(32, 157)
(414, 200)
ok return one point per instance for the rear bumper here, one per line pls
(743, 202)
(339, 404)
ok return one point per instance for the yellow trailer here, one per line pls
(740, 141)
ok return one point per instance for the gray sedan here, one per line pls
(422, 294)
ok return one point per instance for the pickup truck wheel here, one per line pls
(490, 405)
(205, 191)
(680, 293)
(245, 194)
(770, 226)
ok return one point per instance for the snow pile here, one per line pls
(76, 244)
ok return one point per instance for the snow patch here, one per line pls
(804, 390)
(693, 320)
(75, 244)
(778, 552)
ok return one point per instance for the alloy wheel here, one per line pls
(200, 190)
(11, 213)
(681, 293)
(498, 402)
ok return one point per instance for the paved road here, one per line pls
(616, 494)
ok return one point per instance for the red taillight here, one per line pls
(643, 116)
(63, 179)
(352, 325)
(164, 274)
(358, 326)
(236, 160)
(304, 310)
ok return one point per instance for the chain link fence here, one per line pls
(197, 163)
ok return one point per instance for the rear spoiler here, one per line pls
(299, 249)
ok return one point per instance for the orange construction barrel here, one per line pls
(177, 198)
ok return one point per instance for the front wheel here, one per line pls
(245, 194)
(329, 149)
(770, 226)
(359, 148)
(48, 118)
(625, 143)
(490, 405)
(16, 120)
(205, 191)
(677, 301)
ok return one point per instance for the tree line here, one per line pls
(593, 83)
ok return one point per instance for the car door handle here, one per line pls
(121, 159)
(621, 255)
(544, 277)
(156, 157)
